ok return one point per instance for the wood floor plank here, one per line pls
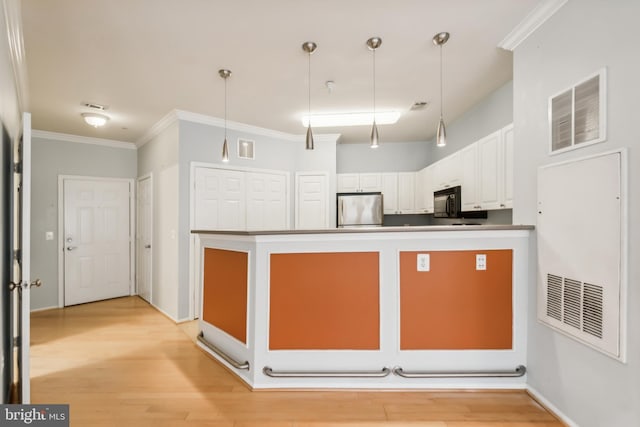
(121, 363)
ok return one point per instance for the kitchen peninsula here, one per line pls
(391, 307)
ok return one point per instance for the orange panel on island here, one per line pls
(324, 301)
(225, 291)
(454, 306)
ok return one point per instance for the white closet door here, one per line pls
(312, 201)
(266, 201)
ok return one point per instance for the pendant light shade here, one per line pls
(309, 47)
(441, 133)
(373, 43)
(224, 73)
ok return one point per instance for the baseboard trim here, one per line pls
(53, 307)
(164, 313)
(546, 403)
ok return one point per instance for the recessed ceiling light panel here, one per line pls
(351, 119)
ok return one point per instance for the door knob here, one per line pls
(37, 283)
(70, 248)
(147, 246)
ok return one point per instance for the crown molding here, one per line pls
(55, 136)
(187, 116)
(530, 23)
(160, 126)
(241, 127)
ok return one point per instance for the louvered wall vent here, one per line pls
(576, 304)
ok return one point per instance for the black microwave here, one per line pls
(447, 203)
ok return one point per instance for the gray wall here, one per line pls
(590, 388)
(489, 115)
(391, 157)
(49, 159)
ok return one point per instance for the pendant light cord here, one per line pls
(374, 85)
(309, 88)
(441, 98)
(225, 108)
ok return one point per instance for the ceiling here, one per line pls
(144, 58)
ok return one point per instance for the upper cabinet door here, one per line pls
(469, 162)
(348, 182)
(489, 153)
(507, 166)
(370, 182)
(390, 193)
(406, 192)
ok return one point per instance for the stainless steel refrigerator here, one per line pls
(359, 210)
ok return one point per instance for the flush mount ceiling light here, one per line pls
(309, 47)
(94, 119)
(224, 73)
(374, 43)
(352, 119)
(441, 133)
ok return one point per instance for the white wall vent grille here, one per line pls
(246, 149)
(577, 114)
(576, 304)
(581, 257)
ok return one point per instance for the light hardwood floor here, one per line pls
(122, 363)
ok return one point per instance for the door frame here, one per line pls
(132, 229)
(148, 176)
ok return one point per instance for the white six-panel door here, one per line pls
(97, 236)
(312, 200)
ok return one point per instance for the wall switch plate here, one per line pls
(48, 235)
(481, 262)
(423, 262)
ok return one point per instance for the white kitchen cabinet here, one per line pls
(359, 182)
(490, 171)
(424, 190)
(398, 191)
(470, 193)
(448, 172)
(506, 199)
(406, 192)
(390, 193)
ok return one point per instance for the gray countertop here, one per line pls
(429, 228)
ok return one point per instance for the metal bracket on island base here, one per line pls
(326, 374)
(519, 371)
(238, 365)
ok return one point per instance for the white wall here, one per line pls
(590, 388)
(388, 157)
(160, 157)
(51, 158)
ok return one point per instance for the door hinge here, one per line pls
(17, 167)
(17, 255)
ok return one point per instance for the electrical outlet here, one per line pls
(481, 262)
(423, 262)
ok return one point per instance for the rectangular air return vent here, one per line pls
(575, 304)
(577, 114)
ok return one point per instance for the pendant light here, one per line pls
(309, 47)
(373, 43)
(441, 134)
(224, 73)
